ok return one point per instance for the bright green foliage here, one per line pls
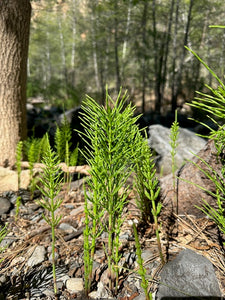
(50, 187)
(213, 103)
(142, 270)
(114, 149)
(216, 214)
(74, 156)
(43, 147)
(63, 141)
(145, 171)
(63, 144)
(109, 134)
(33, 152)
(148, 187)
(174, 133)
(3, 233)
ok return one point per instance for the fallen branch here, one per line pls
(74, 169)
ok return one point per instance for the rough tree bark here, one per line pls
(14, 37)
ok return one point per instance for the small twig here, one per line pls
(72, 169)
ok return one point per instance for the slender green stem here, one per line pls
(142, 270)
(173, 142)
(53, 252)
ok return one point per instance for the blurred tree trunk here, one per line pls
(124, 52)
(166, 52)
(158, 45)
(180, 69)
(144, 58)
(14, 36)
(94, 45)
(73, 50)
(173, 100)
(155, 51)
(116, 46)
(63, 53)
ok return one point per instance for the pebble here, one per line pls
(37, 257)
(75, 285)
(76, 211)
(7, 241)
(56, 256)
(5, 205)
(67, 227)
(2, 279)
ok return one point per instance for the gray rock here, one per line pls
(37, 257)
(5, 205)
(159, 140)
(67, 227)
(188, 275)
(7, 241)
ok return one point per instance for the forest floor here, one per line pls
(19, 281)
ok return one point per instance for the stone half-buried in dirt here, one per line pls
(188, 276)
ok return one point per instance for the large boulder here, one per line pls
(159, 141)
(188, 275)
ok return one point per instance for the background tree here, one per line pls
(14, 37)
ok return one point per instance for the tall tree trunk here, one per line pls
(94, 48)
(116, 46)
(124, 52)
(173, 88)
(158, 55)
(48, 56)
(73, 51)
(14, 37)
(167, 42)
(63, 53)
(144, 59)
(180, 70)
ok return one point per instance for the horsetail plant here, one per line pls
(109, 133)
(147, 187)
(3, 233)
(33, 153)
(174, 133)
(51, 182)
(63, 143)
(142, 270)
(213, 104)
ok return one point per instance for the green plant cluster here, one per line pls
(50, 187)
(213, 103)
(114, 149)
(35, 149)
